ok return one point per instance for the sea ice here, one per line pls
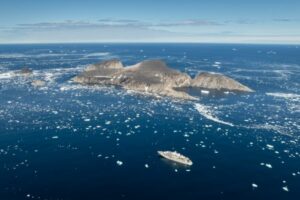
(268, 165)
(271, 147)
(284, 95)
(204, 91)
(119, 162)
(285, 188)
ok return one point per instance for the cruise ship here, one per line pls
(176, 157)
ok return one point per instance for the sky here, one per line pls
(195, 21)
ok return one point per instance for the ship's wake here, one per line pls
(207, 112)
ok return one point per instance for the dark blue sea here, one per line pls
(65, 141)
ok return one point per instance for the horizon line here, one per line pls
(146, 42)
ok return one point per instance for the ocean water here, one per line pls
(66, 141)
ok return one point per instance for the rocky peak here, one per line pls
(218, 82)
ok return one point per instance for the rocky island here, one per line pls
(156, 78)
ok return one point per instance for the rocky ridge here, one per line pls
(156, 78)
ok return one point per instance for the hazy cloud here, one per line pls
(196, 22)
(241, 21)
(106, 23)
(82, 31)
(128, 30)
(286, 20)
(74, 25)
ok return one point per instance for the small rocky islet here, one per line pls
(156, 78)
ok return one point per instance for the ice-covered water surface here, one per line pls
(66, 141)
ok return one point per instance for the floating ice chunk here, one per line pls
(87, 120)
(97, 54)
(137, 126)
(285, 188)
(272, 52)
(55, 137)
(271, 147)
(268, 165)
(254, 185)
(12, 55)
(119, 162)
(63, 88)
(146, 166)
(217, 64)
(108, 122)
(284, 95)
(204, 91)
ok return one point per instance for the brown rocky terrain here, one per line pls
(214, 81)
(154, 77)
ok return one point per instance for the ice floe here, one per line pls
(7, 75)
(284, 95)
(98, 54)
(119, 162)
(268, 165)
(285, 188)
(204, 92)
